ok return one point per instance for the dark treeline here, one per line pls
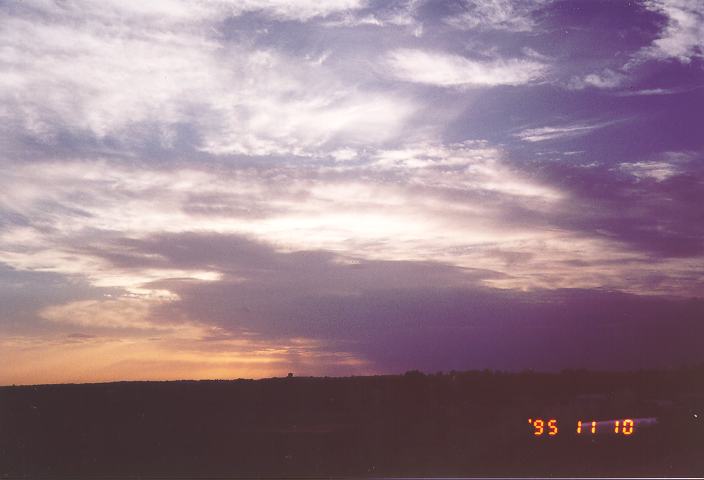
(457, 423)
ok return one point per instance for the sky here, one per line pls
(245, 188)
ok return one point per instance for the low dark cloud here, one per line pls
(23, 294)
(472, 327)
(402, 315)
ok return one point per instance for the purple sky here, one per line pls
(242, 188)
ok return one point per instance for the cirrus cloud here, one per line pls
(447, 70)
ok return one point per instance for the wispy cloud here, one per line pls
(447, 70)
(649, 91)
(496, 14)
(542, 134)
(299, 10)
(657, 170)
(605, 79)
(393, 14)
(683, 36)
(477, 166)
(666, 165)
(235, 99)
(185, 11)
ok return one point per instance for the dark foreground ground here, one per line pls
(458, 424)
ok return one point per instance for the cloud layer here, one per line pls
(223, 189)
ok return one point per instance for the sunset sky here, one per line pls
(246, 188)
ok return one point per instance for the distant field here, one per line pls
(459, 423)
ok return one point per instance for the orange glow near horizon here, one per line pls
(50, 361)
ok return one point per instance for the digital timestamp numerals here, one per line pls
(550, 428)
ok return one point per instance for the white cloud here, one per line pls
(542, 134)
(650, 91)
(606, 79)
(399, 15)
(178, 11)
(656, 170)
(447, 70)
(109, 72)
(665, 166)
(681, 39)
(470, 166)
(344, 154)
(266, 122)
(296, 10)
(510, 15)
(683, 36)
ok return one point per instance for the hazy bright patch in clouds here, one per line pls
(199, 189)
(338, 211)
